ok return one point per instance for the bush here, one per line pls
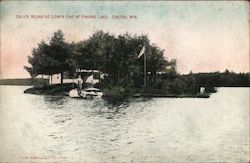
(177, 86)
(40, 83)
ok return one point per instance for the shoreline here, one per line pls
(58, 90)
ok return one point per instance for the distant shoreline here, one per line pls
(21, 81)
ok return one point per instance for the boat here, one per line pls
(91, 91)
(88, 92)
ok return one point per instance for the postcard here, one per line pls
(124, 81)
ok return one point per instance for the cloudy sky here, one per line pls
(202, 36)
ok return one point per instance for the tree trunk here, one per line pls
(118, 78)
(99, 75)
(51, 79)
(61, 77)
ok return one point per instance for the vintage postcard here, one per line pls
(124, 81)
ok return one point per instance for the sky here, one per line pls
(203, 36)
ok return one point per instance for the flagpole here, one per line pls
(145, 68)
(143, 52)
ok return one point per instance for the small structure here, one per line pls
(202, 89)
(89, 76)
(92, 80)
(56, 79)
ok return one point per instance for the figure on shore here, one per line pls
(79, 83)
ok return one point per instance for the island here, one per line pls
(125, 66)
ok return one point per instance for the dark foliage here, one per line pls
(117, 58)
(52, 58)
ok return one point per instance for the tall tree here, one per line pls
(50, 58)
(117, 57)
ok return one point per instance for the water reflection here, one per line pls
(55, 101)
(126, 130)
(122, 101)
(115, 101)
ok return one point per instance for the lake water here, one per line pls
(47, 128)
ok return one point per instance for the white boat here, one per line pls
(88, 92)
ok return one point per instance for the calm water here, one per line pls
(47, 128)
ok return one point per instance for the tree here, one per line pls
(117, 57)
(51, 58)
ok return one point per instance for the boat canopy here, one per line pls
(92, 89)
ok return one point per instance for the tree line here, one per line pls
(115, 56)
(192, 82)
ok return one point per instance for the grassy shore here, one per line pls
(63, 90)
(53, 89)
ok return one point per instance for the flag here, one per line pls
(141, 52)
